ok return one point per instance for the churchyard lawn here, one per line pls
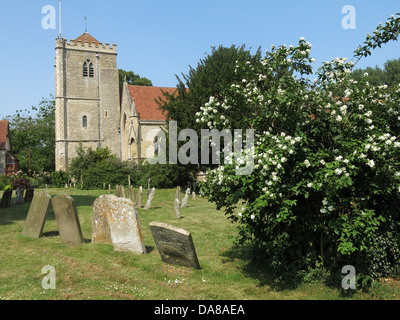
(91, 271)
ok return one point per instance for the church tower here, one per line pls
(87, 98)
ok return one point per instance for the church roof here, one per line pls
(4, 131)
(146, 101)
(86, 37)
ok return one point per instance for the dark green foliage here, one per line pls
(20, 183)
(32, 131)
(132, 78)
(162, 175)
(58, 179)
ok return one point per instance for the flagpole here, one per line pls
(59, 6)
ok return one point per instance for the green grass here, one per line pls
(96, 271)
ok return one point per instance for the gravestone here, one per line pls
(37, 214)
(185, 198)
(176, 207)
(126, 232)
(150, 199)
(117, 191)
(101, 232)
(122, 192)
(193, 195)
(6, 199)
(29, 193)
(178, 193)
(19, 196)
(67, 219)
(175, 245)
(133, 194)
(140, 194)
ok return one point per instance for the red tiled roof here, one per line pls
(86, 37)
(3, 134)
(146, 101)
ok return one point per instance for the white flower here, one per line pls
(331, 208)
(322, 162)
(324, 202)
(310, 184)
(371, 163)
(307, 163)
(252, 217)
(338, 172)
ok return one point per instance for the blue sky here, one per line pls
(159, 39)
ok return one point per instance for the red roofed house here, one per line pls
(8, 162)
(93, 111)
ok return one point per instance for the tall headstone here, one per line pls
(101, 232)
(175, 245)
(117, 191)
(67, 219)
(122, 191)
(185, 198)
(126, 232)
(178, 193)
(150, 199)
(37, 214)
(176, 207)
(133, 194)
(140, 194)
(6, 199)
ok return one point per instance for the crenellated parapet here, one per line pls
(86, 45)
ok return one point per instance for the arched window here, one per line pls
(84, 121)
(88, 70)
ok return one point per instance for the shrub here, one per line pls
(162, 175)
(21, 183)
(326, 178)
(58, 179)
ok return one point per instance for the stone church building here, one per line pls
(91, 108)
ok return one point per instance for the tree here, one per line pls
(212, 74)
(132, 78)
(33, 136)
(389, 75)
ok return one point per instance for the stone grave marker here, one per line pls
(37, 214)
(19, 196)
(126, 232)
(101, 232)
(140, 194)
(150, 199)
(6, 199)
(175, 245)
(176, 207)
(67, 219)
(29, 193)
(185, 198)
(122, 191)
(117, 191)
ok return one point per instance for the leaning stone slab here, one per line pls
(175, 245)
(101, 232)
(67, 219)
(126, 232)
(37, 214)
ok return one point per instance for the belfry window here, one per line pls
(84, 121)
(88, 70)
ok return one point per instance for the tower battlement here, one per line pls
(86, 45)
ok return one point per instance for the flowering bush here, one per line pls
(326, 180)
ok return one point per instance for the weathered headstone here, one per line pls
(126, 232)
(19, 196)
(193, 195)
(185, 198)
(178, 193)
(67, 219)
(133, 194)
(140, 194)
(150, 199)
(29, 193)
(117, 191)
(6, 199)
(109, 188)
(101, 232)
(176, 207)
(175, 245)
(122, 191)
(37, 214)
